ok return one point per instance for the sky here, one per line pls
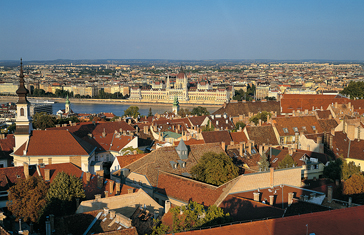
(181, 30)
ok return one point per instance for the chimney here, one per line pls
(135, 152)
(293, 113)
(260, 122)
(46, 174)
(167, 206)
(111, 186)
(331, 142)
(26, 170)
(261, 150)
(350, 202)
(271, 200)
(117, 188)
(97, 196)
(130, 190)
(239, 129)
(231, 143)
(336, 105)
(223, 146)
(249, 147)
(290, 151)
(271, 176)
(100, 173)
(106, 194)
(290, 198)
(100, 181)
(112, 214)
(329, 194)
(241, 149)
(145, 128)
(88, 177)
(256, 196)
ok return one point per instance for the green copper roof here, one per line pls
(175, 102)
(67, 100)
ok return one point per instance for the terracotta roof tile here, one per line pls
(262, 135)
(240, 108)
(216, 137)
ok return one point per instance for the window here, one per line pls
(285, 130)
(295, 129)
(96, 158)
(313, 128)
(21, 112)
(304, 128)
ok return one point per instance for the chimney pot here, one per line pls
(271, 200)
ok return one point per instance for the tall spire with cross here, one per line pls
(23, 119)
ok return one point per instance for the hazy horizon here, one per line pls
(182, 30)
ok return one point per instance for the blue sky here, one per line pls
(120, 29)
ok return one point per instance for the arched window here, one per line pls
(21, 112)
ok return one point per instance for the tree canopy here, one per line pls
(264, 163)
(287, 162)
(183, 112)
(62, 193)
(355, 90)
(238, 125)
(200, 111)
(262, 115)
(194, 215)
(132, 111)
(43, 120)
(215, 169)
(354, 185)
(340, 169)
(27, 199)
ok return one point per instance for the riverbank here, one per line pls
(110, 101)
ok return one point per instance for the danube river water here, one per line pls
(117, 109)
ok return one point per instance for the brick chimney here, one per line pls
(26, 170)
(290, 198)
(46, 174)
(256, 196)
(106, 194)
(117, 188)
(271, 178)
(111, 186)
(261, 150)
(271, 200)
(167, 206)
(88, 177)
(329, 194)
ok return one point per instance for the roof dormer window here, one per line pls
(313, 128)
(285, 130)
(295, 129)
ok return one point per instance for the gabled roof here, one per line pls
(307, 124)
(128, 159)
(186, 189)
(159, 160)
(238, 137)
(262, 134)
(343, 146)
(8, 143)
(327, 124)
(197, 121)
(54, 142)
(216, 136)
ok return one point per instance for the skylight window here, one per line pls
(313, 128)
(295, 129)
(304, 128)
(285, 130)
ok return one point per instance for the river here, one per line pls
(117, 109)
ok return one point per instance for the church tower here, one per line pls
(175, 107)
(23, 120)
(67, 107)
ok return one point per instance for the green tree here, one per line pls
(215, 169)
(132, 111)
(355, 90)
(354, 185)
(200, 111)
(262, 115)
(238, 125)
(333, 169)
(43, 120)
(207, 127)
(150, 114)
(183, 112)
(27, 199)
(63, 192)
(264, 163)
(349, 169)
(287, 162)
(130, 151)
(159, 228)
(194, 215)
(114, 118)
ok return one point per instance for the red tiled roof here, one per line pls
(128, 159)
(303, 123)
(8, 143)
(341, 221)
(238, 137)
(54, 142)
(216, 136)
(190, 142)
(262, 134)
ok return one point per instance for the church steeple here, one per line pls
(175, 107)
(23, 119)
(67, 105)
(22, 91)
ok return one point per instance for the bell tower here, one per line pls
(23, 119)
(67, 106)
